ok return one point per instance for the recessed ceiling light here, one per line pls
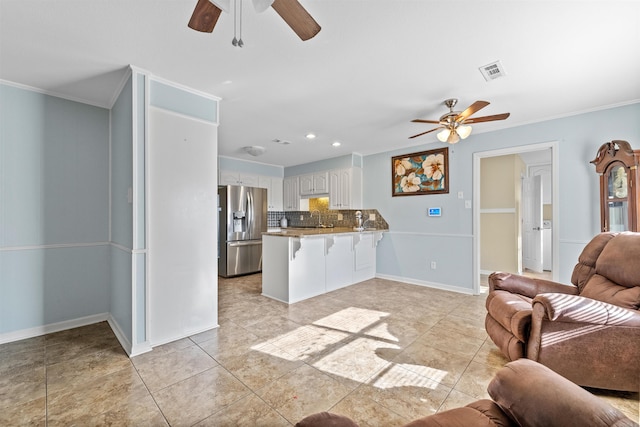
(336, 144)
(311, 136)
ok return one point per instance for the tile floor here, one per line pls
(381, 352)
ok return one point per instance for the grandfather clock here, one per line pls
(617, 165)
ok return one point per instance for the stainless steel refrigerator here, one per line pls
(242, 220)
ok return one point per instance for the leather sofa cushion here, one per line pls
(586, 266)
(535, 396)
(602, 289)
(326, 419)
(619, 260)
(483, 413)
(512, 311)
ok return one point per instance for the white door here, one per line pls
(532, 223)
(183, 264)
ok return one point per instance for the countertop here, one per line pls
(307, 232)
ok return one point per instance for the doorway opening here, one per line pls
(515, 212)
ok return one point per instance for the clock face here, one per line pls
(617, 179)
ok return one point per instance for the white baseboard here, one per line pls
(426, 283)
(120, 335)
(52, 327)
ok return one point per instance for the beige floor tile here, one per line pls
(139, 412)
(303, 391)
(433, 363)
(456, 399)
(21, 385)
(31, 413)
(196, 398)
(357, 360)
(29, 344)
(451, 341)
(258, 368)
(162, 350)
(162, 371)
(489, 354)
(76, 347)
(28, 357)
(78, 371)
(367, 412)
(405, 392)
(475, 379)
(230, 341)
(307, 342)
(101, 395)
(250, 411)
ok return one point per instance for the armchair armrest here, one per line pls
(583, 310)
(527, 286)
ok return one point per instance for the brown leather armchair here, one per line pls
(588, 332)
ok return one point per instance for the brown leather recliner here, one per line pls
(524, 394)
(588, 332)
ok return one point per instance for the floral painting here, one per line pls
(421, 173)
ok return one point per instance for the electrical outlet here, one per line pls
(339, 217)
(433, 265)
(372, 217)
(130, 195)
(460, 195)
(301, 217)
(467, 204)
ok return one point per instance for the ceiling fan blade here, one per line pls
(205, 16)
(476, 106)
(487, 118)
(424, 133)
(435, 122)
(297, 18)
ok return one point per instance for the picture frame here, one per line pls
(424, 172)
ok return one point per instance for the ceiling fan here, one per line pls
(455, 124)
(206, 14)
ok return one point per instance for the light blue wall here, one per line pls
(242, 166)
(122, 133)
(184, 102)
(416, 239)
(54, 157)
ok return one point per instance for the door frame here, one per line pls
(555, 173)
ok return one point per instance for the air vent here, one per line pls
(281, 141)
(493, 71)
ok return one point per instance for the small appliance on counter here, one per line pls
(243, 219)
(283, 222)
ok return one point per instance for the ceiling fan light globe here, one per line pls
(453, 137)
(224, 5)
(443, 135)
(464, 131)
(262, 5)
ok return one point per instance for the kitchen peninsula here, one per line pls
(300, 263)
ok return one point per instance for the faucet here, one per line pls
(319, 217)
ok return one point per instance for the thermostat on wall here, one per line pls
(435, 211)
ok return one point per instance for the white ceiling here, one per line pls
(374, 66)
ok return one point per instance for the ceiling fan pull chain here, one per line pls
(240, 42)
(235, 12)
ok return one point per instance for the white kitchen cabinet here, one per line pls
(274, 192)
(297, 266)
(291, 194)
(345, 188)
(314, 183)
(236, 178)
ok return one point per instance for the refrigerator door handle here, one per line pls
(250, 214)
(244, 243)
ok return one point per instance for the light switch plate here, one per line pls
(372, 217)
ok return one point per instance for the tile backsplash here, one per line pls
(326, 217)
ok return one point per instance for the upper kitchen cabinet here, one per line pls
(236, 178)
(314, 183)
(274, 192)
(345, 188)
(617, 164)
(291, 192)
